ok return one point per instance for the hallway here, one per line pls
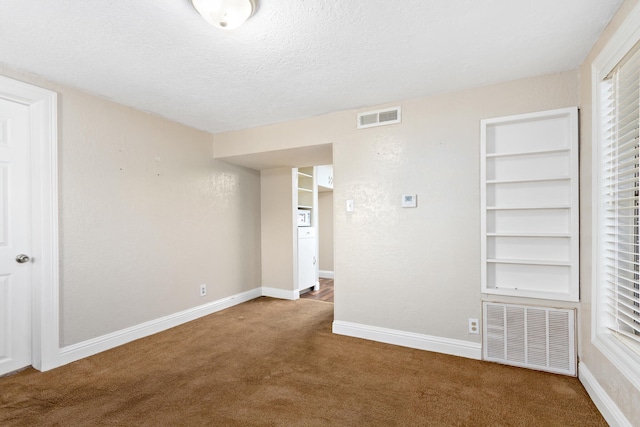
(324, 294)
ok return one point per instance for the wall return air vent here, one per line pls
(388, 116)
(531, 337)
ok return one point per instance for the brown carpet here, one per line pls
(276, 363)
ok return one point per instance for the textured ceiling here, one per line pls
(293, 58)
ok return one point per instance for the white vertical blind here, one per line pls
(620, 177)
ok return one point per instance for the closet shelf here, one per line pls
(305, 189)
(304, 174)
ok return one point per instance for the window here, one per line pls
(619, 169)
(616, 199)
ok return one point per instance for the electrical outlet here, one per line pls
(203, 290)
(474, 326)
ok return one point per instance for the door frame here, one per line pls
(45, 312)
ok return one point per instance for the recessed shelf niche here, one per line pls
(529, 205)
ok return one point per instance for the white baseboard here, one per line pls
(460, 348)
(106, 342)
(601, 399)
(280, 293)
(326, 274)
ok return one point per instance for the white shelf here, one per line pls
(530, 262)
(305, 189)
(528, 153)
(523, 234)
(518, 181)
(529, 205)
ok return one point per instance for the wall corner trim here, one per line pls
(326, 274)
(450, 346)
(280, 293)
(106, 342)
(601, 399)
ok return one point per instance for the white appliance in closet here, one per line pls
(307, 261)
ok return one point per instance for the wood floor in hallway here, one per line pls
(324, 294)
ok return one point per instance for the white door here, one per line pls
(15, 237)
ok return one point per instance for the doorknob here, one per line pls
(22, 258)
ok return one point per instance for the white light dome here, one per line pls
(225, 14)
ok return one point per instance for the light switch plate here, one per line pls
(350, 205)
(410, 201)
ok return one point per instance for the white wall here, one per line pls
(146, 216)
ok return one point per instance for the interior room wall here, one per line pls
(613, 382)
(278, 228)
(146, 216)
(325, 230)
(414, 270)
(418, 269)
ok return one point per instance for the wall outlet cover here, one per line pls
(474, 326)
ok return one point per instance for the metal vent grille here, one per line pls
(368, 119)
(387, 116)
(532, 337)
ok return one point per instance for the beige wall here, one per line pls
(415, 270)
(278, 229)
(325, 230)
(418, 270)
(326, 129)
(146, 216)
(623, 393)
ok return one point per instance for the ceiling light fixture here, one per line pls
(225, 14)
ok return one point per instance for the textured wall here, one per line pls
(418, 270)
(146, 216)
(278, 229)
(325, 230)
(415, 270)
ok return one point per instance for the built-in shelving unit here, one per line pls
(305, 188)
(529, 205)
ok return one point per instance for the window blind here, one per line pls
(621, 186)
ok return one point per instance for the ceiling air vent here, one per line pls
(387, 116)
